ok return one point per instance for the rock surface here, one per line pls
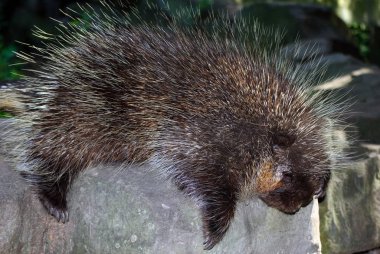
(350, 217)
(134, 211)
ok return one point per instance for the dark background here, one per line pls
(18, 17)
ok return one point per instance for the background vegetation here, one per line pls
(18, 17)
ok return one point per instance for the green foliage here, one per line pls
(360, 32)
(205, 4)
(8, 57)
(5, 114)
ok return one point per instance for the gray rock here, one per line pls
(302, 21)
(350, 217)
(351, 80)
(134, 211)
(376, 251)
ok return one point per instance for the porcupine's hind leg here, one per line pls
(52, 189)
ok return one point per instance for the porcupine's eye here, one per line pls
(287, 176)
(283, 140)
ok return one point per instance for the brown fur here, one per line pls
(266, 180)
(217, 119)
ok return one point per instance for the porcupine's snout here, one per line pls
(296, 176)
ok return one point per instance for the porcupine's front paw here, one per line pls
(56, 209)
(216, 221)
(211, 235)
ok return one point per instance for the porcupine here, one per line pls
(223, 120)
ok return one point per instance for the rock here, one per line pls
(304, 22)
(350, 79)
(350, 217)
(376, 251)
(8, 100)
(134, 211)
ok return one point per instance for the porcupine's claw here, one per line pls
(58, 211)
(51, 194)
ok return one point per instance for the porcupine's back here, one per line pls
(142, 84)
(217, 117)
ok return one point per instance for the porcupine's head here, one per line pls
(296, 171)
(292, 148)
